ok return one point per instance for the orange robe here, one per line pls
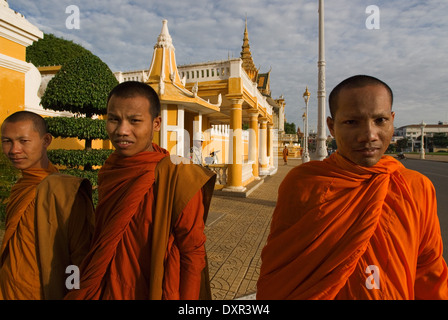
(285, 154)
(149, 234)
(335, 222)
(49, 221)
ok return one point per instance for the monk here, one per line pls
(49, 216)
(149, 240)
(357, 225)
(285, 155)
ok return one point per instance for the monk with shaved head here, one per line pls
(149, 240)
(357, 225)
(49, 216)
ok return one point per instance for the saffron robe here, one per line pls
(285, 154)
(336, 221)
(149, 234)
(49, 224)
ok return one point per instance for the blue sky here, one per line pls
(409, 50)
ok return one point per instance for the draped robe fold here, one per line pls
(334, 219)
(49, 224)
(149, 233)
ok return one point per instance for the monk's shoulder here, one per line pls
(59, 183)
(304, 180)
(416, 180)
(305, 171)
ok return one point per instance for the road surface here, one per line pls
(437, 172)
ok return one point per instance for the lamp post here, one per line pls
(306, 155)
(303, 135)
(321, 130)
(422, 149)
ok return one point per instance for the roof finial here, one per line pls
(246, 56)
(164, 40)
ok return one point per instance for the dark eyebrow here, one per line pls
(18, 138)
(357, 116)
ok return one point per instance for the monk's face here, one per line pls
(363, 124)
(130, 126)
(24, 145)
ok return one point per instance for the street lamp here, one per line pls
(422, 149)
(306, 155)
(321, 147)
(303, 135)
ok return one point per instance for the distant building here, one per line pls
(413, 131)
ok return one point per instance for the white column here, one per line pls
(163, 127)
(422, 149)
(263, 146)
(253, 142)
(321, 151)
(271, 144)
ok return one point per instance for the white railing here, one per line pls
(251, 87)
(221, 173)
(219, 70)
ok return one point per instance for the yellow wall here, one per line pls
(172, 115)
(156, 138)
(235, 85)
(12, 49)
(172, 142)
(12, 92)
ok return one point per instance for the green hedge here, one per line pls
(8, 176)
(78, 158)
(53, 51)
(81, 128)
(81, 86)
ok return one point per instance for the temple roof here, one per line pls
(164, 77)
(246, 56)
(263, 83)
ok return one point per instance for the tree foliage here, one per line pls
(81, 86)
(8, 176)
(81, 128)
(53, 51)
(290, 128)
(78, 158)
(440, 140)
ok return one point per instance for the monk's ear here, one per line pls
(156, 123)
(47, 140)
(330, 124)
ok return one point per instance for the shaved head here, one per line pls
(357, 81)
(39, 123)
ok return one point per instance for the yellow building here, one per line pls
(21, 83)
(216, 98)
(19, 80)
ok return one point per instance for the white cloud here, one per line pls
(408, 51)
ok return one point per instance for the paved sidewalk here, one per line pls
(236, 232)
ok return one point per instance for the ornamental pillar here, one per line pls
(235, 168)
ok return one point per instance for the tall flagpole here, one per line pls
(321, 96)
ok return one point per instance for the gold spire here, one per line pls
(246, 56)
